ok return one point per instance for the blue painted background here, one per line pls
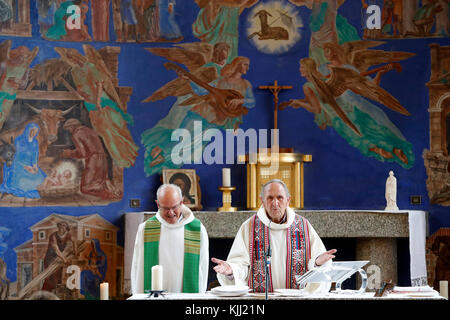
(339, 177)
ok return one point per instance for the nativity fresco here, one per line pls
(64, 128)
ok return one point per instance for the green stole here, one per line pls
(152, 233)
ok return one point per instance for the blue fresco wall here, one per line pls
(339, 177)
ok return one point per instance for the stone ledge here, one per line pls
(328, 224)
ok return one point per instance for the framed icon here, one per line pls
(187, 180)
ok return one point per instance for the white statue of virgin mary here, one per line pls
(391, 192)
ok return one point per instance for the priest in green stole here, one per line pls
(174, 239)
(295, 246)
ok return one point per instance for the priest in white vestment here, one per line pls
(184, 261)
(295, 246)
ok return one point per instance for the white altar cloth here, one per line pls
(273, 296)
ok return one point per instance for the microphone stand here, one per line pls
(267, 257)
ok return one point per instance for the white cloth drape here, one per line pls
(417, 242)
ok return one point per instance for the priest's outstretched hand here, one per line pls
(222, 267)
(324, 257)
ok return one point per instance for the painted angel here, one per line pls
(204, 62)
(14, 70)
(339, 95)
(218, 21)
(107, 113)
(326, 25)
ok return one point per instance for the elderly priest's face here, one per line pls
(275, 202)
(169, 204)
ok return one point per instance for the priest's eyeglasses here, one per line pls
(165, 209)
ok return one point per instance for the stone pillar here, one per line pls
(381, 252)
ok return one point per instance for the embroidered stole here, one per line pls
(297, 257)
(152, 231)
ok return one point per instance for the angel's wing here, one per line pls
(204, 48)
(345, 78)
(195, 100)
(192, 55)
(180, 87)
(364, 59)
(95, 58)
(327, 96)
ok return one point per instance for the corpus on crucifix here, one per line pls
(275, 89)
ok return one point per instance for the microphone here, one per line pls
(267, 257)
(269, 250)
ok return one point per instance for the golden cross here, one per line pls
(275, 89)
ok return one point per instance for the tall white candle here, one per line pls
(157, 278)
(443, 288)
(104, 291)
(226, 177)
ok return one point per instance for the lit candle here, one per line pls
(443, 288)
(226, 177)
(104, 291)
(157, 278)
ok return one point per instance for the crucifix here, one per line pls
(275, 89)
(282, 163)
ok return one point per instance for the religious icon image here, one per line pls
(274, 27)
(187, 180)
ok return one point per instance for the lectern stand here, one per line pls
(337, 272)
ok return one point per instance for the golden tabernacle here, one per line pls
(265, 166)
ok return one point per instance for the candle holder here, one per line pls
(226, 199)
(155, 293)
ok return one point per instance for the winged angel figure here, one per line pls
(14, 72)
(204, 63)
(95, 84)
(338, 93)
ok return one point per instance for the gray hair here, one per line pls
(286, 190)
(163, 187)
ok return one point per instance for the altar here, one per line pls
(376, 234)
(208, 296)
